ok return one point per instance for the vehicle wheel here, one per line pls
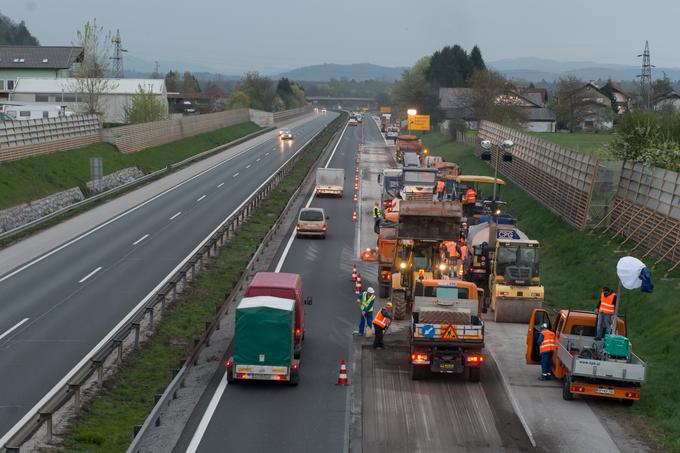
(294, 378)
(383, 290)
(627, 403)
(296, 355)
(230, 377)
(419, 372)
(323, 237)
(400, 305)
(566, 389)
(474, 374)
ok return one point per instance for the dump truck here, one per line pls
(605, 368)
(447, 331)
(385, 121)
(390, 181)
(330, 182)
(411, 160)
(264, 340)
(504, 262)
(418, 183)
(422, 227)
(408, 144)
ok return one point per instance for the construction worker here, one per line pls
(605, 311)
(440, 189)
(470, 199)
(548, 345)
(380, 324)
(462, 254)
(366, 301)
(376, 217)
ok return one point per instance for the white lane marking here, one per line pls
(248, 166)
(207, 416)
(220, 185)
(13, 328)
(90, 274)
(201, 197)
(266, 154)
(176, 215)
(257, 160)
(236, 174)
(140, 239)
(289, 244)
(34, 410)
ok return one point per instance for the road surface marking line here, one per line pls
(90, 274)
(266, 154)
(201, 198)
(13, 328)
(176, 215)
(279, 265)
(257, 160)
(236, 174)
(140, 239)
(207, 416)
(248, 166)
(59, 385)
(220, 185)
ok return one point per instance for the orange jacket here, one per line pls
(470, 196)
(549, 343)
(440, 186)
(607, 305)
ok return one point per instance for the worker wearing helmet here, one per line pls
(547, 347)
(366, 301)
(377, 215)
(380, 324)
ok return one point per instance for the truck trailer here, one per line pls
(330, 182)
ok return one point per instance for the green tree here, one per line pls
(413, 91)
(145, 107)
(493, 98)
(239, 99)
(449, 67)
(260, 91)
(189, 83)
(15, 34)
(567, 104)
(172, 82)
(476, 59)
(661, 87)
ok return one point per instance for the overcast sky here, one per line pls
(232, 36)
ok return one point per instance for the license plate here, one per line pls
(605, 391)
(447, 366)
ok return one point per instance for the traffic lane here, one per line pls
(96, 306)
(319, 406)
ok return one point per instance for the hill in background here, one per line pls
(16, 34)
(358, 72)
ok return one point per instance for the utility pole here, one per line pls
(646, 78)
(156, 73)
(117, 57)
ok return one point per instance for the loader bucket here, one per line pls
(514, 310)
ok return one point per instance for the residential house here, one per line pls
(113, 102)
(538, 96)
(668, 101)
(593, 108)
(211, 100)
(621, 100)
(48, 62)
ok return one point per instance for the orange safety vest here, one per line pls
(470, 196)
(451, 248)
(549, 343)
(463, 251)
(607, 303)
(381, 320)
(440, 186)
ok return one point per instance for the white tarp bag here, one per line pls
(628, 269)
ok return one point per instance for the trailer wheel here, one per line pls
(230, 377)
(419, 372)
(566, 389)
(400, 304)
(294, 377)
(627, 403)
(474, 374)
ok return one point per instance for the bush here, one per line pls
(455, 126)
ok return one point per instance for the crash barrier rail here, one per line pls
(127, 185)
(171, 392)
(149, 308)
(287, 114)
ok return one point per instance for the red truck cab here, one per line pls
(287, 286)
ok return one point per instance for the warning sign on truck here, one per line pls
(449, 332)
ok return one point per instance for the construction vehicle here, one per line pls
(411, 160)
(264, 341)
(385, 121)
(505, 263)
(605, 368)
(447, 332)
(482, 185)
(408, 144)
(330, 181)
(390, 181)
(418, 183)
(422, 227)
(387, 241)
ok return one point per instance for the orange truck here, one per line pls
(408, 144)
(585, 365)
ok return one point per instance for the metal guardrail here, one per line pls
(123, 187)
(167, 293)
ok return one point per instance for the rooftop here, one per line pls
(39, 57)
(68, 85)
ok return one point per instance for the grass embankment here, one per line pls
(574, 265)
(582, 142)
(37, 177)
(106, 425)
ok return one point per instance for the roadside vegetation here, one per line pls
(574, 265)
(582, 142)
(127, 399)
(29, 179)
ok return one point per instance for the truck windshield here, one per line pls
(517, 256)
(452, 293)
(391, 184)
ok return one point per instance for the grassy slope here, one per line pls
(126, 401)
(37, 177)
(574, 265)
(586, 143)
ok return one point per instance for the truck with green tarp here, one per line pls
(264, 341)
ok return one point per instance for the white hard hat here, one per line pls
(370, 290)
(544, 325)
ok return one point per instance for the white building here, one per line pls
(64, 92)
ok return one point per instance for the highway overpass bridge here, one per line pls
(343, 101)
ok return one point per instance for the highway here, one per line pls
(54, 310)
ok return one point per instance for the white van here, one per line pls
(35, 111)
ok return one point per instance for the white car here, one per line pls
(285, 134)
(352, 122)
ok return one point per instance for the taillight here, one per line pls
(385, 275)
(323, 228)
(298, 332)
(475, 358)
(632, 395)
(228, 364)
(577, 388)
(297, 227)
(278, 377)
(419, 358)
(295, 366)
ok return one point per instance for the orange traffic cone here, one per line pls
(357, 286)
(354, 217)
(355, 197)
(354, 272)
(342, 377)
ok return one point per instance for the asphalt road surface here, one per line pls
(58, 309)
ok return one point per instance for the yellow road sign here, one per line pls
(385, 109)
(449, 333)
(419, 122)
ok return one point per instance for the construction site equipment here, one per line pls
(481, 186)
(406, 144)
(330, 181)
(422, 226)
(447, 332)
(411, 160)
(418, 183)
(391, 183)
(504, 262)
(387, 241)
(588, 367)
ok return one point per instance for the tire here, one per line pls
(230, 377)
(566, 389)
(294, 378)
(400, 304)
(627, 403)
(474, 374)
(383, 290)
(419, 372)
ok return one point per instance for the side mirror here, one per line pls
(379, 178)
(328, 218)
(308, 300)
(486, 155)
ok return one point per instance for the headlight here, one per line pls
(402, 265)
(505, 293)
(442, 267)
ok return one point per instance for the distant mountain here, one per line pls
(15, 34)
(358, 72)
(537, 69)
